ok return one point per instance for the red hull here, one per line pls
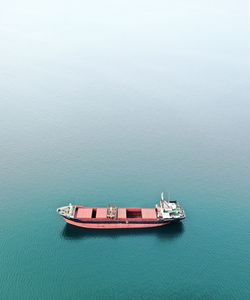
(114, 226)
(122, 217)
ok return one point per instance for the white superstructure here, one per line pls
(169, 210)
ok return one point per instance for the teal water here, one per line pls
(107, 102)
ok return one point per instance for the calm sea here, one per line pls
(114, 102)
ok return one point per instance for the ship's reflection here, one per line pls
(166, 232)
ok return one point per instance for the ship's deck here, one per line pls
(123, 213)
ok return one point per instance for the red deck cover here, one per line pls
(101, 213)
(148, 213)
(84, 212)
(122, 213)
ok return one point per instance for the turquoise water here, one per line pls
(115, 103)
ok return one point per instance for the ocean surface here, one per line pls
(115, 102)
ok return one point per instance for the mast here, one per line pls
(162, 196)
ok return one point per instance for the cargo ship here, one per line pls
(112, 217)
